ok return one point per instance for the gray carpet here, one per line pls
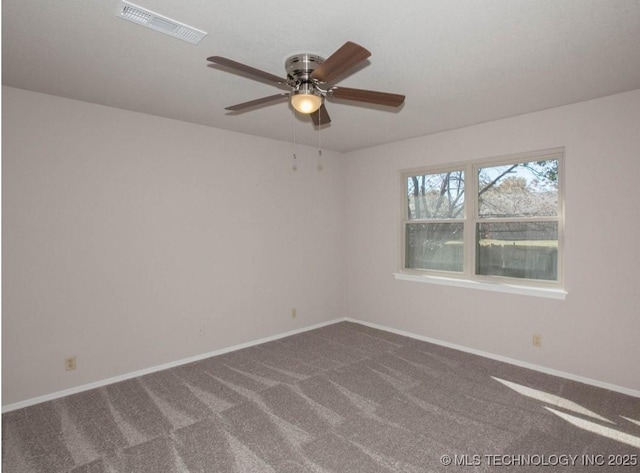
(345, 398)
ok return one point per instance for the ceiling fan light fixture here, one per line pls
(306, 102)
(306, 76)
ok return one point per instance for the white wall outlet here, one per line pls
(294, 313)
(537, 340)
(70, 363)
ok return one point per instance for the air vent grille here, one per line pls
(144, 17)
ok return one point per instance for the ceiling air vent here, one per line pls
(144, 17)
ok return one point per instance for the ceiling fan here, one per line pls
(309, 77)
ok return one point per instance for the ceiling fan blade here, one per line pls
(321, 116)
(254, 103)
(370, 96)
(341, 61)
(251, 71)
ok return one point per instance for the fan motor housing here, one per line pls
(300, 66)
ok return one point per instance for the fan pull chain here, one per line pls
(294, 165)
(319, 142)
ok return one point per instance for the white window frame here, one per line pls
(468, 278)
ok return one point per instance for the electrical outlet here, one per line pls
(537, 340)
(294, 313)
(70, 363)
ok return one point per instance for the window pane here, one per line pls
(436, 195)
(434, 246)
(519, 190)
(518, 250)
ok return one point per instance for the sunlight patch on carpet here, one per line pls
(598, 429)
(552, 399)
(633, 421)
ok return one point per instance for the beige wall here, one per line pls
(131, 241)
(595, 332)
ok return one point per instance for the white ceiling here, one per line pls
(458, 62)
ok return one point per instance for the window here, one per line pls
(435, 221)
(494, 220)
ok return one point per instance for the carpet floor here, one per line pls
(345, 398)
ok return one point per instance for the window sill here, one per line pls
(549, 293)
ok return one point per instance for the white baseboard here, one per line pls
(153, 369)
(511, 361)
